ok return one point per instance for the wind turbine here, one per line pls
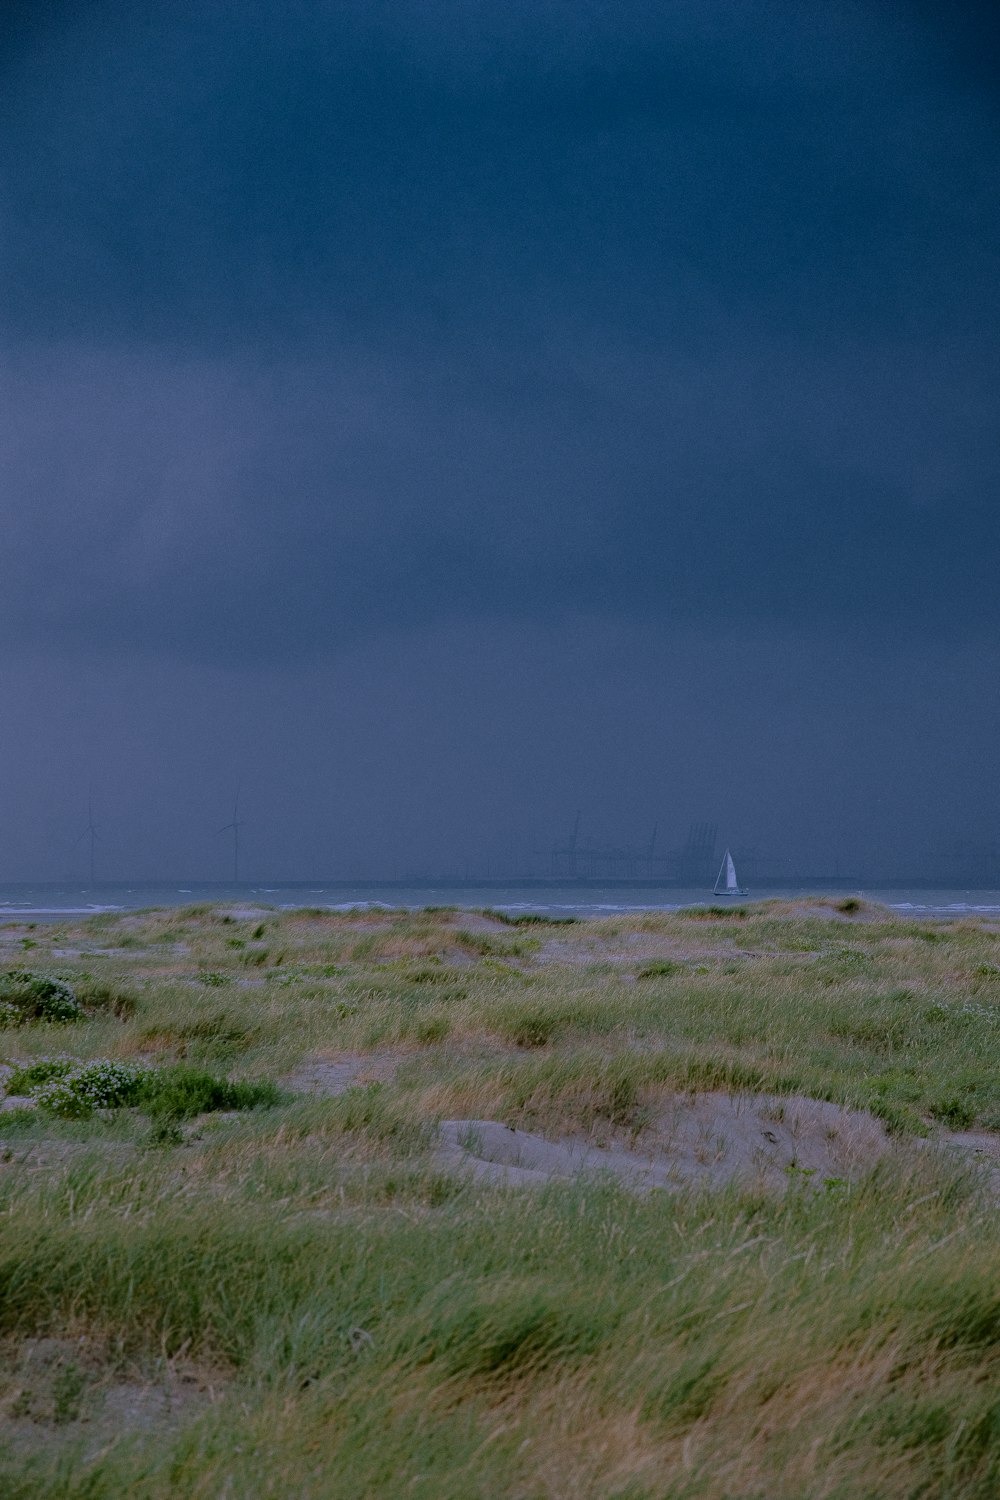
(90, 832)
(235, 827)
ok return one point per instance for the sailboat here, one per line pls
(727, 884)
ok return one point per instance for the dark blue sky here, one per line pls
(444, 416)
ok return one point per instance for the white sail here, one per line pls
(727, 883)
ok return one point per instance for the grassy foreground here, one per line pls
(286, 1295)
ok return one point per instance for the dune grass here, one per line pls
(365, 1324)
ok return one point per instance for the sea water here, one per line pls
(43, 901)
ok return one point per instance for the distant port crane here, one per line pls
(692, 865)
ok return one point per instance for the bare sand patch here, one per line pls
(11, 1102)
(981, 1148)
(711, 1138)
(62, 1390)
(626, 949)
(334, 1074)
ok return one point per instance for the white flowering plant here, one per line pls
(77, 1091)
(27, 1076)
(58, 1097)
(72, 1090)
(26, 996)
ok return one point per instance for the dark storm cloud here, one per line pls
(327, 319)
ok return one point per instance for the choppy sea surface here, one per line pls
(26, 902)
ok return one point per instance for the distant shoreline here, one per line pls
(833, 884)
(583, 899)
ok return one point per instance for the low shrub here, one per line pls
(73, 1090)
(25, 1079)
(26, 997)
(77, 1091)
(59, 1097)
(953, 1111)
(179, 1093)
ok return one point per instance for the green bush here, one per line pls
(26, 997)
(25, 1079)
(73, 1090)
(954, 1112)
(58, 1097)
(180, 1093)
(77, 1091)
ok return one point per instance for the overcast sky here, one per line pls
(443, 416)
